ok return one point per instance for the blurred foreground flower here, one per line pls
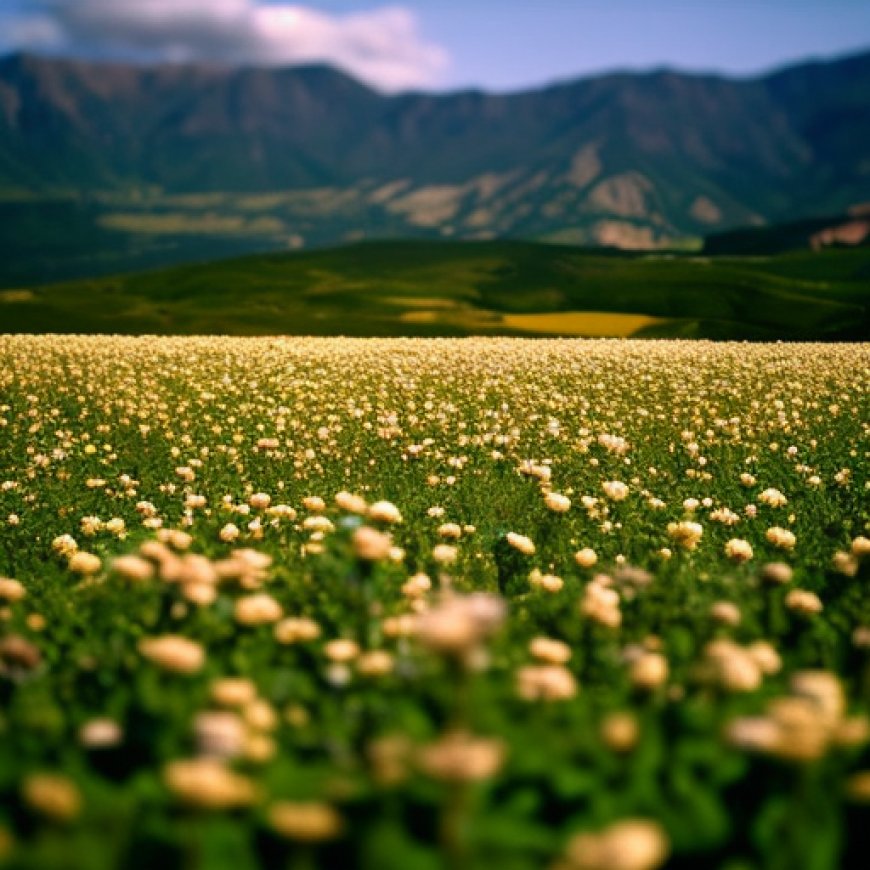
(173, 653)
(52, 795)
(632, 844)
(207, 783)
(460, 757)
(305, 822)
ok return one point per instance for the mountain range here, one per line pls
(261, 158)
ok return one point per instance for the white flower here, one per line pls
(385, 512)
(525, 545)
(557, 502)
(615, 490)
(738, 550)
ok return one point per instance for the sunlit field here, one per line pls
(400, 604)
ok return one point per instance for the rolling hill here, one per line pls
(433, 288)
(814, 234)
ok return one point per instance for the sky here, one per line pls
(497, 45)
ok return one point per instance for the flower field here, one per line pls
(406, 603)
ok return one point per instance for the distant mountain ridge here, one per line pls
(308, 155)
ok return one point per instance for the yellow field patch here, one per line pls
(177, 223)
(589, 323)
(592, 324)
(17, 296)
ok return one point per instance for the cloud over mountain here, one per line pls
(383, 45)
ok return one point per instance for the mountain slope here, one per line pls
(624, 159)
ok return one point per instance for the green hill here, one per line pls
(468, 288)
(795, 235)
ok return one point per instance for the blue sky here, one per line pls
(439, 44)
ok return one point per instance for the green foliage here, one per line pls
(467, 288)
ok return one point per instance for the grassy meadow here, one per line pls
(426, 288)
(406, 604)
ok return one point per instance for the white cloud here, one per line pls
(383, 46)
(31, 31)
